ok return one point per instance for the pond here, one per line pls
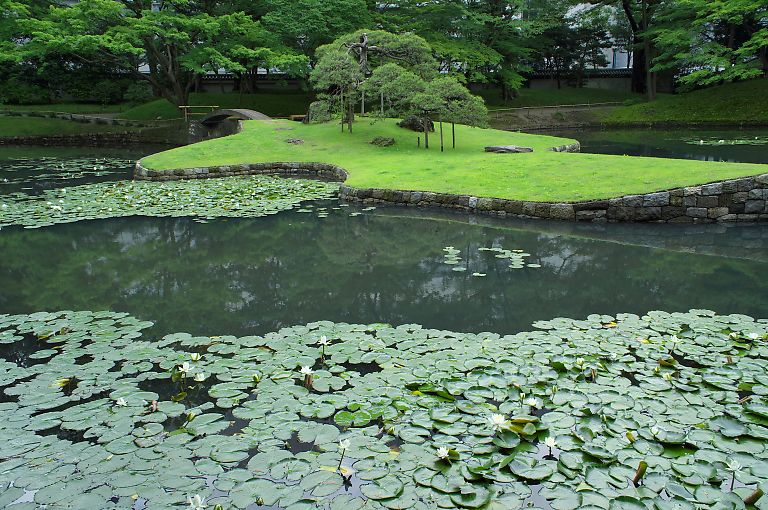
(711, 144)
(313, 354)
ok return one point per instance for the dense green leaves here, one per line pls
(99, 413)
(204, 199)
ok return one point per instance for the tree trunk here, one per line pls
(638, 70)
(351, 113)
(362, 104)
(426, 132)
(649, 78)
(441, 135)
(382, 104)
(453, 134)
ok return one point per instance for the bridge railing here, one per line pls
(190, 110)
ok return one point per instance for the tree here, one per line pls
(176, 42)
(345, 64)
(445, 99)
(306, 25)
(394, 86)
(712, 42)
(640, 16)
(338, 74)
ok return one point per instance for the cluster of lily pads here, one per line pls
(204, 199)
(29, 169)
(757, 140)
(516, 258)
(665, 411)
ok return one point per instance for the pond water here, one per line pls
(734, 145)
(219, 408)
(250, 276)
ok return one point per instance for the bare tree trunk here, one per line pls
(441, 135)
(362, 104)
(453, 133)
(351, 113)
(649, 75)
(382, 104)
(426, 132)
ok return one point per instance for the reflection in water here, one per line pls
(675, 143)
(251, 276)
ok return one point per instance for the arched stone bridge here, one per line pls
(218, 116)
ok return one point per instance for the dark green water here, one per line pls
(745, 146)
(251, 276)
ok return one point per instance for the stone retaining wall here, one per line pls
(88, 139)
(84, 118)
(744, 199)
(321, 170)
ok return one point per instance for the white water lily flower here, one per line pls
(550, 442)
(306, 371)
(734, 466)
(196, 502)
(655, 431)
(200, 377)
(497, 422)
(734, 335)
(533, 402)
(184, 367)
(121, 402)
(443, 453)
(343, 444)
(324, 340)
(579, 362)
(753, 336)
(195, 356)
(666, 376)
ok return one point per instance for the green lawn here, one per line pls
(541, 175)
(553, 97)
(34, 126)
(274, 104)
(83, 108)
(732, 103)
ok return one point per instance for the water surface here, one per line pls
(733, 145)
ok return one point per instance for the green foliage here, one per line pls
(176, 42)
(307, 24)
(712, 42)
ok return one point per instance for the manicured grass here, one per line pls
(744, 102)
(65, 107)
(33, 126)
(541, 175)
(274, 104)
(553, 97)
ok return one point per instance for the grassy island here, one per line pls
(542, 175)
